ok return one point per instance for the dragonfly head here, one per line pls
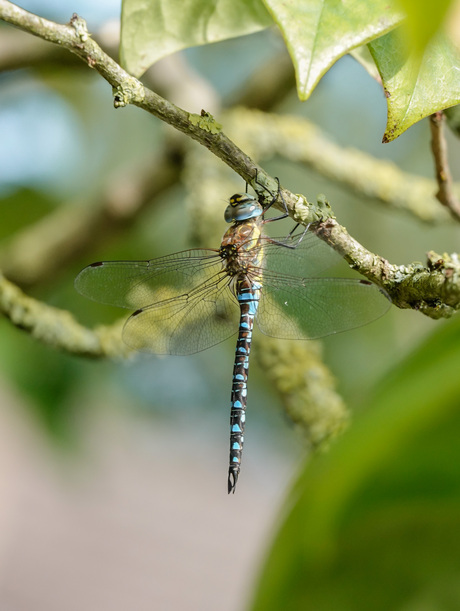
(241, 207)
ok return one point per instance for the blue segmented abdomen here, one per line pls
(248, 295)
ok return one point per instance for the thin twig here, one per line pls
(445, 193)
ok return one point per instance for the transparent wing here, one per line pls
(185, 302)
(192, 322)
(136, 284)
(296, 308)
(309, 257)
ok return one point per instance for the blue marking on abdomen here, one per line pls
(250, 297)
(246, 296)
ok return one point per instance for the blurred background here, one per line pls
(113, 472)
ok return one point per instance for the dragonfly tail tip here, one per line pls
(232, 479)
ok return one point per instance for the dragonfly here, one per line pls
(191, 300)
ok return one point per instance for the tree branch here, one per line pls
(58, 328)
(75, 37)
(433, 290)
(445, 193)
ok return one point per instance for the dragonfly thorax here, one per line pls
(235, 264)
(241, 207)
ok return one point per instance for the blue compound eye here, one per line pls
(242, 206)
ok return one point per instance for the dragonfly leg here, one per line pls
(301, 237)
(273, 200)
(285, 243)
(282, 216)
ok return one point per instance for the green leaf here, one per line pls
(318, 32)
(424, 20)
(416, 87)
(375, 523)
(152, 29)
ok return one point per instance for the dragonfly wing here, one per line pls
(136, 284)
(307, 258)
(294, 308)
(186, 324)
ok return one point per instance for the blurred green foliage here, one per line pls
(375, 522)
(23, 207)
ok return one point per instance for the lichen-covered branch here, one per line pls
(305, 385)
(57, 328)
(433, 290)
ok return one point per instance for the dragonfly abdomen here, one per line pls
(248, 295)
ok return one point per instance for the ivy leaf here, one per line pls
(415, 86)
(152, 29)
(318, 32)
(424, 20)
